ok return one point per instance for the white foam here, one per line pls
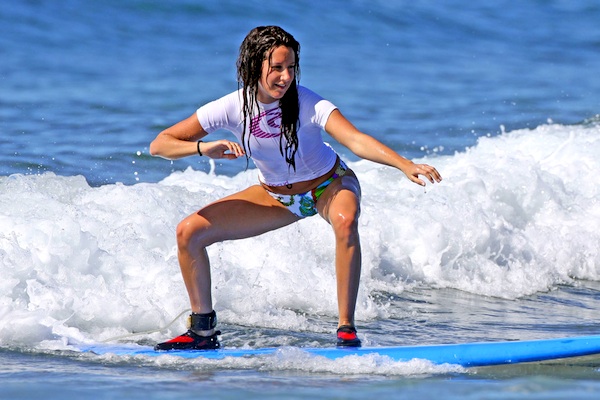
(516, 214)
(294, 359)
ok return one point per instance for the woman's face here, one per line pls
(277, 75)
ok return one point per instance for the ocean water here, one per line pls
(502, 97)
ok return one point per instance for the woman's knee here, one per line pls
(345, 223)
(193, 230)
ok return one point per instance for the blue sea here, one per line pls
(503, 97)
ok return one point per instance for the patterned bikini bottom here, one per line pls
(305, 204)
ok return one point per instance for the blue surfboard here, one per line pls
(464, 354)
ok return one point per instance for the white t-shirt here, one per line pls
(314, 157)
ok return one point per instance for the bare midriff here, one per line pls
(302, 186)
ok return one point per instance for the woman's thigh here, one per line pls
(248, 213)
(342, 196)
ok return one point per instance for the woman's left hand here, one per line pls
(413, 171)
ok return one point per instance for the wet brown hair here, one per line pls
(257, 47)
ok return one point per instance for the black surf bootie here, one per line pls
(190, 340)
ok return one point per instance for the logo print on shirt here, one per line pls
(269, 120)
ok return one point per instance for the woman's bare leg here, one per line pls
(340, 206)
(248, 213)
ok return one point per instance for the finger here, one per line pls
(434, 174)
(424, 171)
(430, 173)
(420, 170)
(416, 180)
(437, 175)
(235, 149)
(240, 151)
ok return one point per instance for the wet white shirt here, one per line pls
(314, 157)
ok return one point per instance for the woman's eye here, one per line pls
(280, 68)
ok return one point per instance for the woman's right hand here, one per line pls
(221, 149)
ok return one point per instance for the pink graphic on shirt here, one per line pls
(269, 120)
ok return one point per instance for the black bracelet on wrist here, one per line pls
(198, 148)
